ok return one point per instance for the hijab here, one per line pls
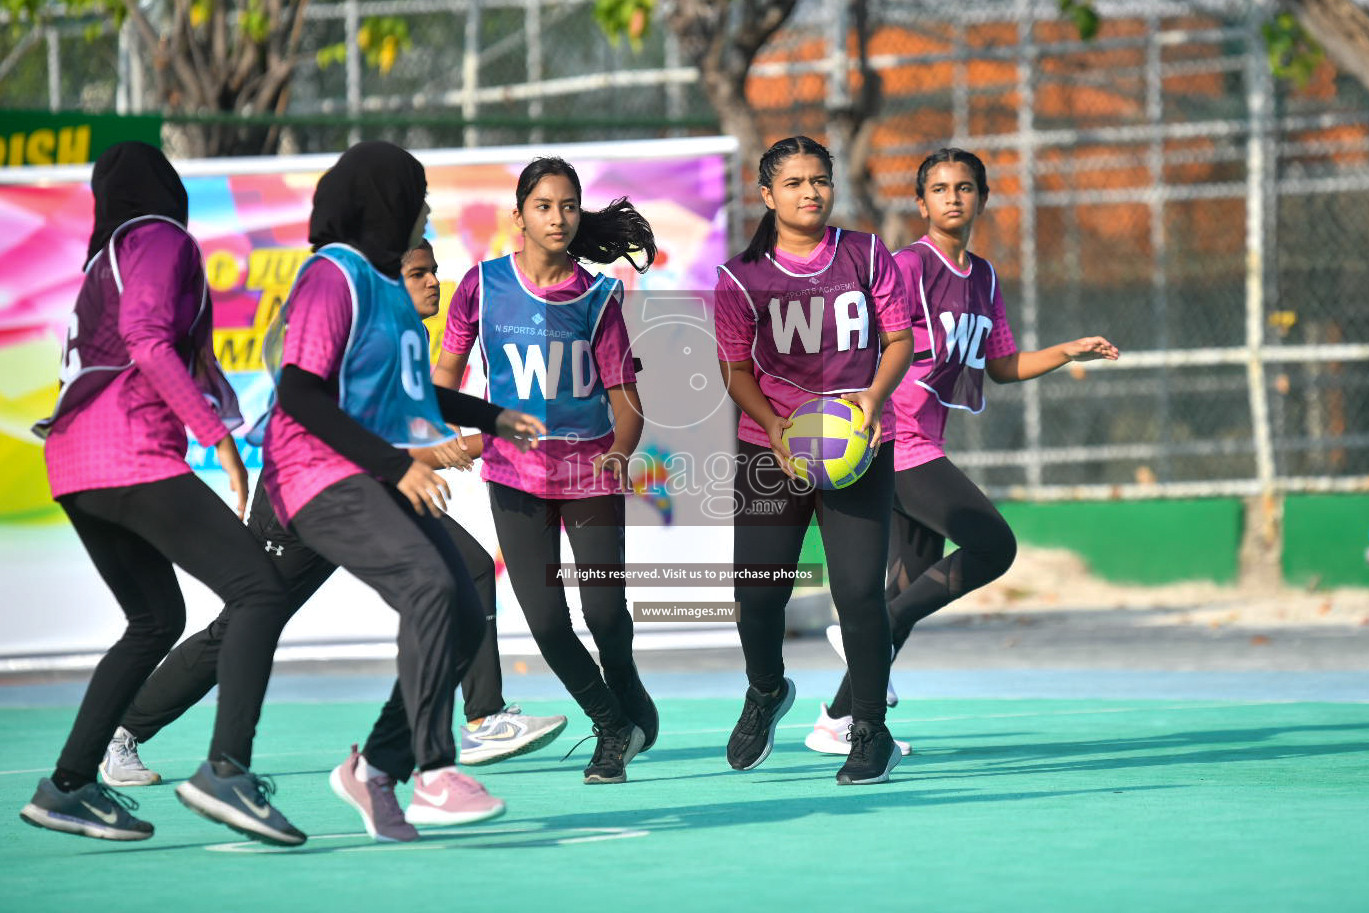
(133, 179)
(370, 200)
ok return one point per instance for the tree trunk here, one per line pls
(218, 68)
(1342, 28)
(723, 38)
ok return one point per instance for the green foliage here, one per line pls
(1084, 16)
(26, 14)
(381, 40)
(625, 18)
(1293, 54)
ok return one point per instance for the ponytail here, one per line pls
(767, 234)
(763, 241)
(616, 231)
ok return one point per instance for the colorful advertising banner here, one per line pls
(250, 217)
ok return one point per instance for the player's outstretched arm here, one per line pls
(1021, 366)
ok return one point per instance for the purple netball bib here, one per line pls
(958, 309)
(94, 352)
(815, 330)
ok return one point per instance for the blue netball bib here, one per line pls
(539, 353)
(384, 381)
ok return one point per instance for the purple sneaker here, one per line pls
(374, 800)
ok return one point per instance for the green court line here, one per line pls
(1050, 805)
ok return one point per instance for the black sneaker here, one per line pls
(636, 703)
(241, 801)
(754, 735)
(873, 755)
(615, 748)
(94, 810)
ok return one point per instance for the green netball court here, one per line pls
(1022, 805)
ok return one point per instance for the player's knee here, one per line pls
(1002, 551)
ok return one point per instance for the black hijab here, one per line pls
(370, 199)
(133, 179)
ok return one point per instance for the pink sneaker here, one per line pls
(447, 796)
(374, 800)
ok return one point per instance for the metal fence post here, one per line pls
(1260, 548)
(1026, 142)
(54, 69)
(533, 27)
(470, 74)
(1159, 277)
(352, 24)
(839, 98)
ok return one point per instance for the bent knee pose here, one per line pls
(553, 340)
(808, 310)
(353, 392)
(961, 333)
(138, 369)
(495, 729)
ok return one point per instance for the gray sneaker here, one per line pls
(374, 799)
(94, 810)
(122, 766)
(507, 734)
(241, 801)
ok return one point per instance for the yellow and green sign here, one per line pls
(69, 137)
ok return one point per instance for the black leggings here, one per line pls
(135, 534)
(529, 530)
(936, 502)
(771, 520)
(190, 671)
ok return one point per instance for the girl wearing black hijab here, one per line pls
(137, 370)
(353, 389)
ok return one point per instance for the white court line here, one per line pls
(581, 835)
(896, 720)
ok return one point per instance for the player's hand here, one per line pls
(871, 409)
(520, 428)
(426, 490)
(453, 454)
(613, 462)
(231, 461)
(775, 431)
(1090, 348)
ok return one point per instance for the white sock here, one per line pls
(365, 771)
(427, 776)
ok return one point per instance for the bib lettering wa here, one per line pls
(384, 380)
(957, 308)
(540, 353)
(815, 330)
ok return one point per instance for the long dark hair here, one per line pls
(763, 241)
(616, 231)
(953, 154)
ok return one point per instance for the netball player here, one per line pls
(553, 340)
(138, 369)
(961, 333)
(353, 390)
(810, 310)
(495, 730)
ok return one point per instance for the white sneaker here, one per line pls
(834, 638)
(507, 734)
(832, 735)
(121, 765)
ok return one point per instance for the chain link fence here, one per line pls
(1155, 185)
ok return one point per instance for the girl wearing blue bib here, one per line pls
(554, 343)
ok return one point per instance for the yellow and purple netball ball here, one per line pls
(828, 447)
